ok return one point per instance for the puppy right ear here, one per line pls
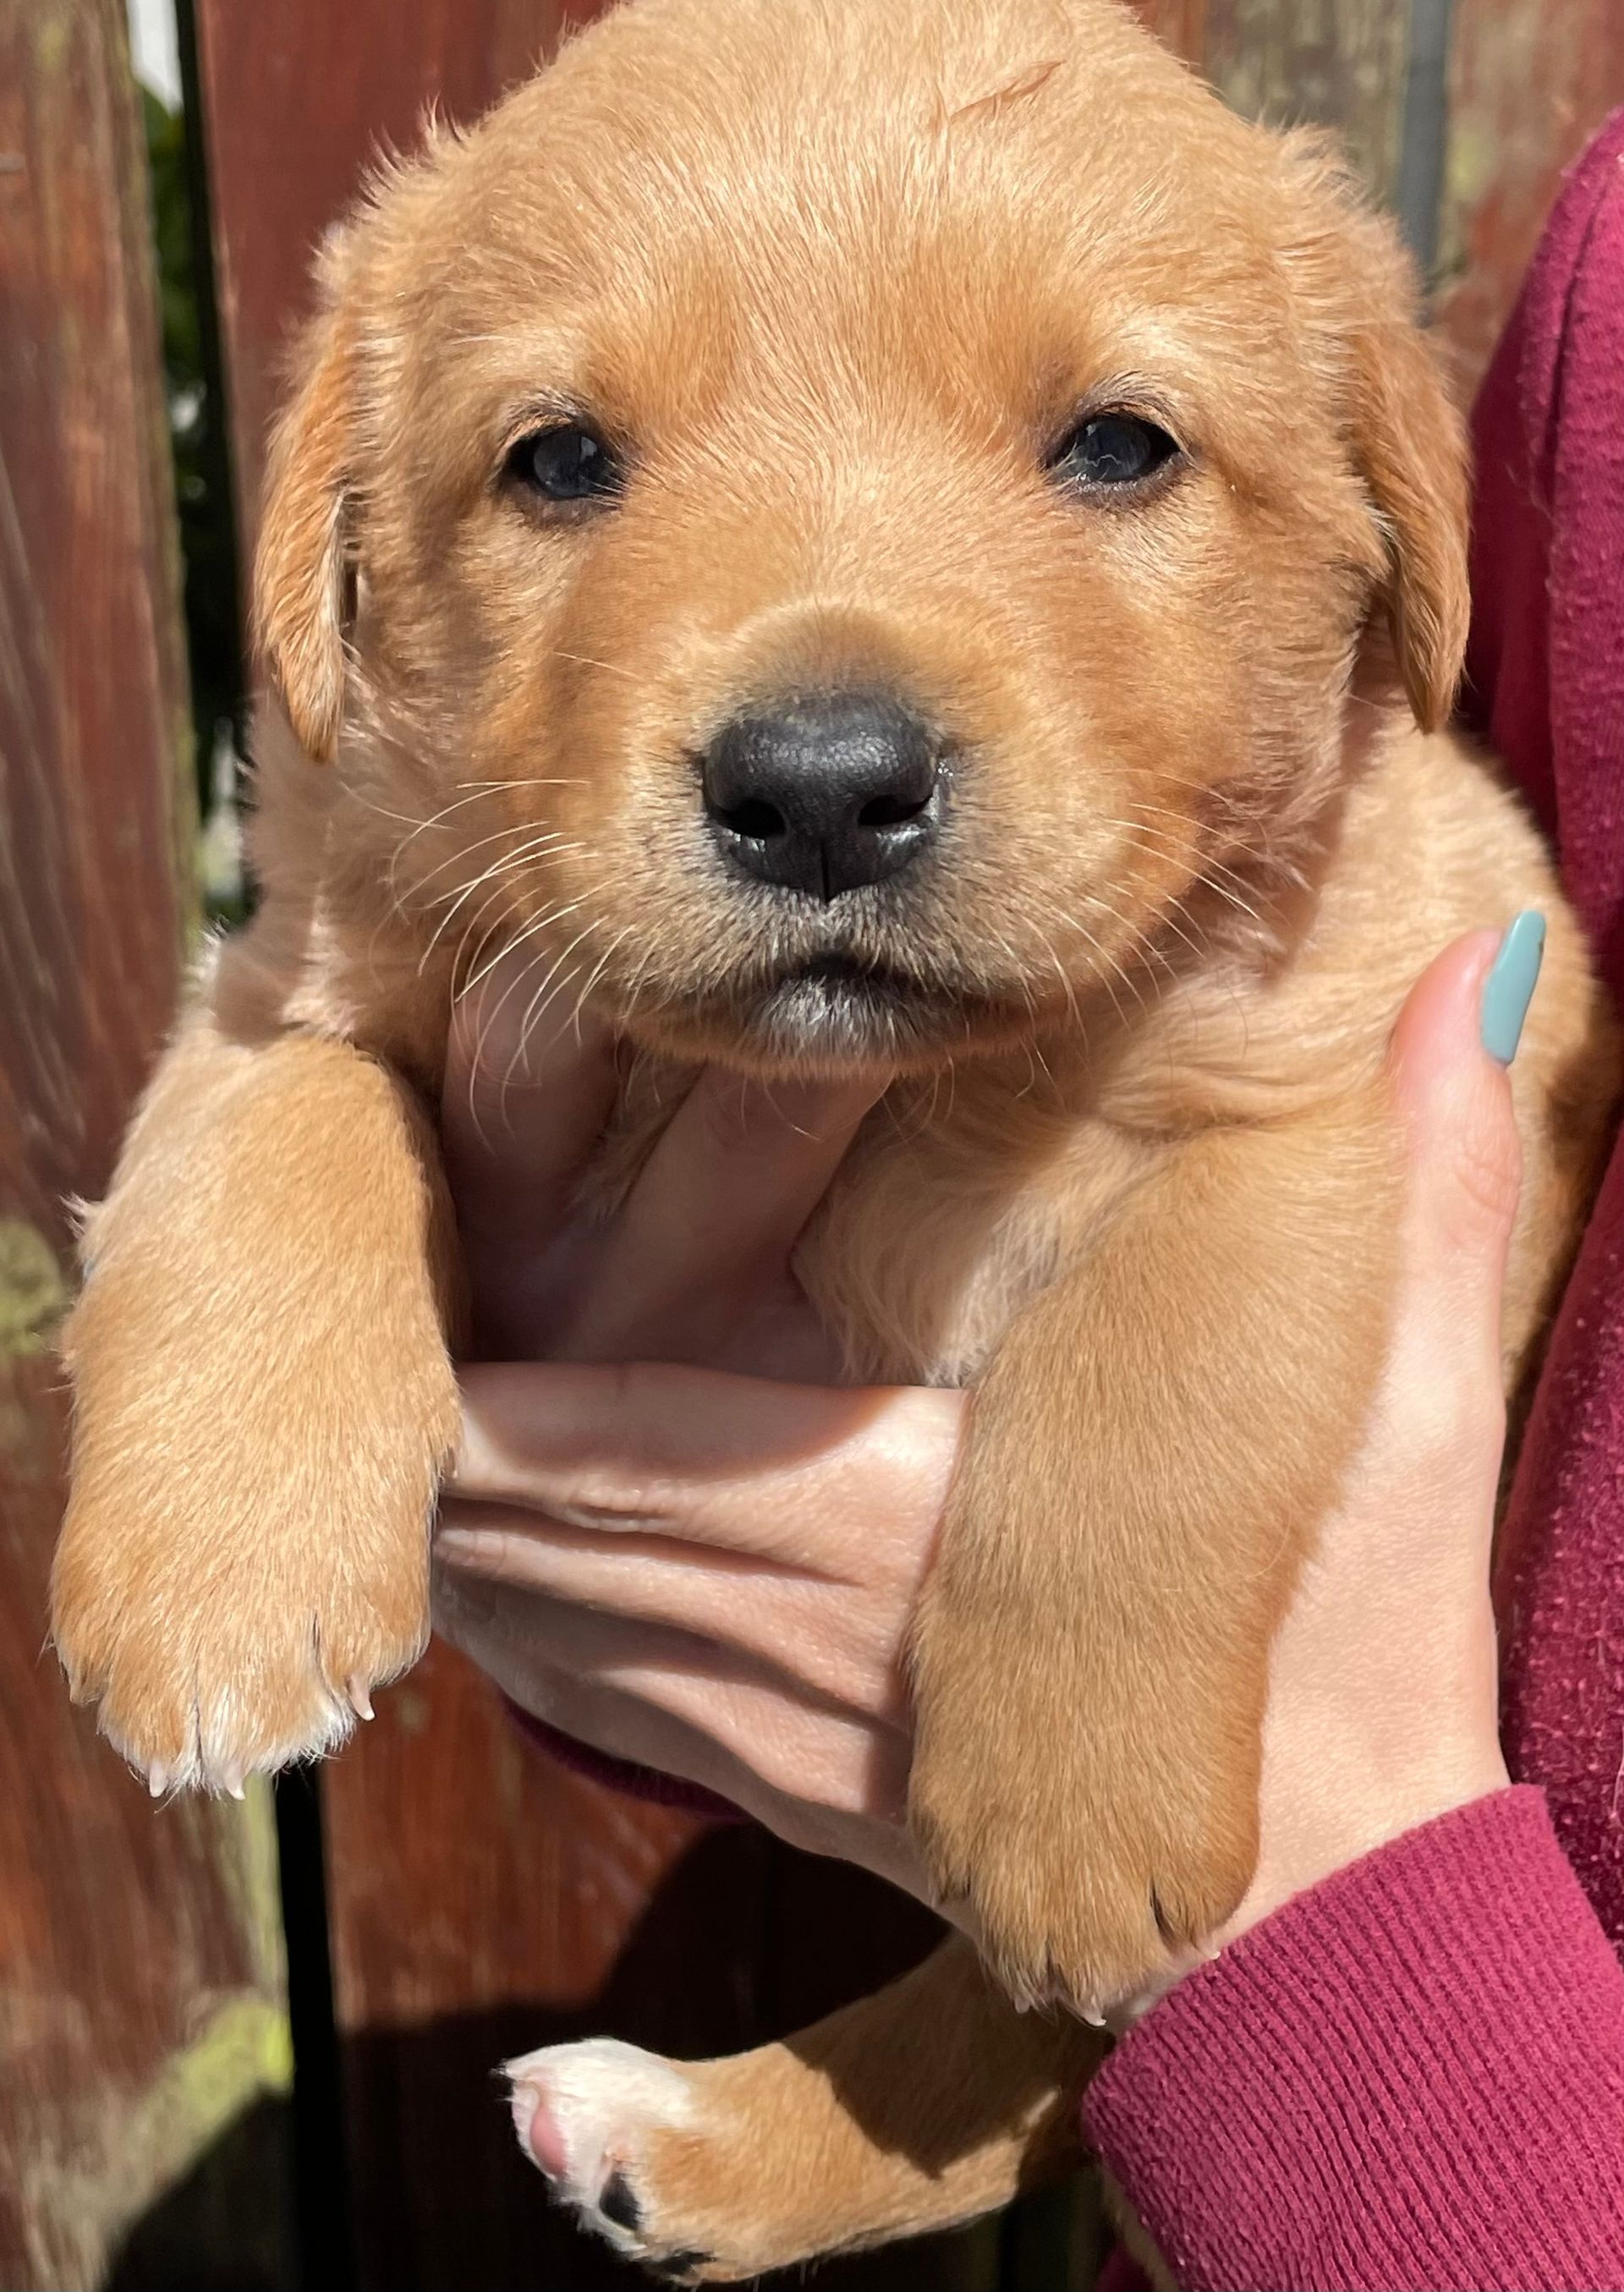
(300, 571)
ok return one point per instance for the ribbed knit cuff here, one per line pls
(623, 1775)
(1408, 2080)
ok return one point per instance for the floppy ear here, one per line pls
(1406, 436)
(1411, 447)
(300, 571)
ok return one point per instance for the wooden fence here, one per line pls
(475, 1900)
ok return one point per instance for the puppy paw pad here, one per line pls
(585, 2114)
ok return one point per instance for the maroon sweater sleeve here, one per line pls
(1413, 2075)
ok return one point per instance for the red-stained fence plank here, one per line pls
(143, 2037)
(1529, 83)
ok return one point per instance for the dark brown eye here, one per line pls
(1113, 449)
(567, 462)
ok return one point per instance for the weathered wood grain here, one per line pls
(140, 2011)
(1339, 63)
(301, 99)
(1181, 23)
(1530, 82)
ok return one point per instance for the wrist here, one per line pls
(1356, 1807)
(1330, 1828)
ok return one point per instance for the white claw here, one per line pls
(361, 1702)
(158, 1779)
(230, 1781)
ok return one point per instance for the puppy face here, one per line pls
(842, 519)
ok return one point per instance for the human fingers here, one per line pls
(716, 1211)
(840, 1483)
(522, 1105)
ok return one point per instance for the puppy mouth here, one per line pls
(849, 976)
(834, 1010)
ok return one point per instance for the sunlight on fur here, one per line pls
(894, 536)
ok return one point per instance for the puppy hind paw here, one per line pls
(590, 2117)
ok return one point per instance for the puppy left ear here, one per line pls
(1408, 440)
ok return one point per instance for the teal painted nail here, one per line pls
(1509, 988)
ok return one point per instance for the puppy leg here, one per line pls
(921, 2107)
(1148, 1455)
(264, 1401)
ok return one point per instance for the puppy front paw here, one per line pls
(199, 1682)
(1090, 1867)
(230, 1593)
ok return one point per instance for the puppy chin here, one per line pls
(836, 1023)
(840, 1024)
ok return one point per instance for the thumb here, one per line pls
(1450, 1052)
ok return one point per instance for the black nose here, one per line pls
(825, 793)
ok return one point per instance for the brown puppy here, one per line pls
(896, 535)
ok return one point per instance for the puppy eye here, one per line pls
(570, 461)
(1113, 449)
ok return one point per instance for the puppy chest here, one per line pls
(929, 1246)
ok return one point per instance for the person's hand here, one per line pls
(695, 1266)
(1384, 1699)
(715, 1576)
(685, 1566)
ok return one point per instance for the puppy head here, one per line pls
(837, 522)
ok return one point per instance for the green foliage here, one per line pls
(201, 467)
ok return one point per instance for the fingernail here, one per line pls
(475, 1452)
(1509, 988)
(461, 1548)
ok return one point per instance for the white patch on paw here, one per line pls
(601, 2097)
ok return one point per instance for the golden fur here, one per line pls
(838, 277)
